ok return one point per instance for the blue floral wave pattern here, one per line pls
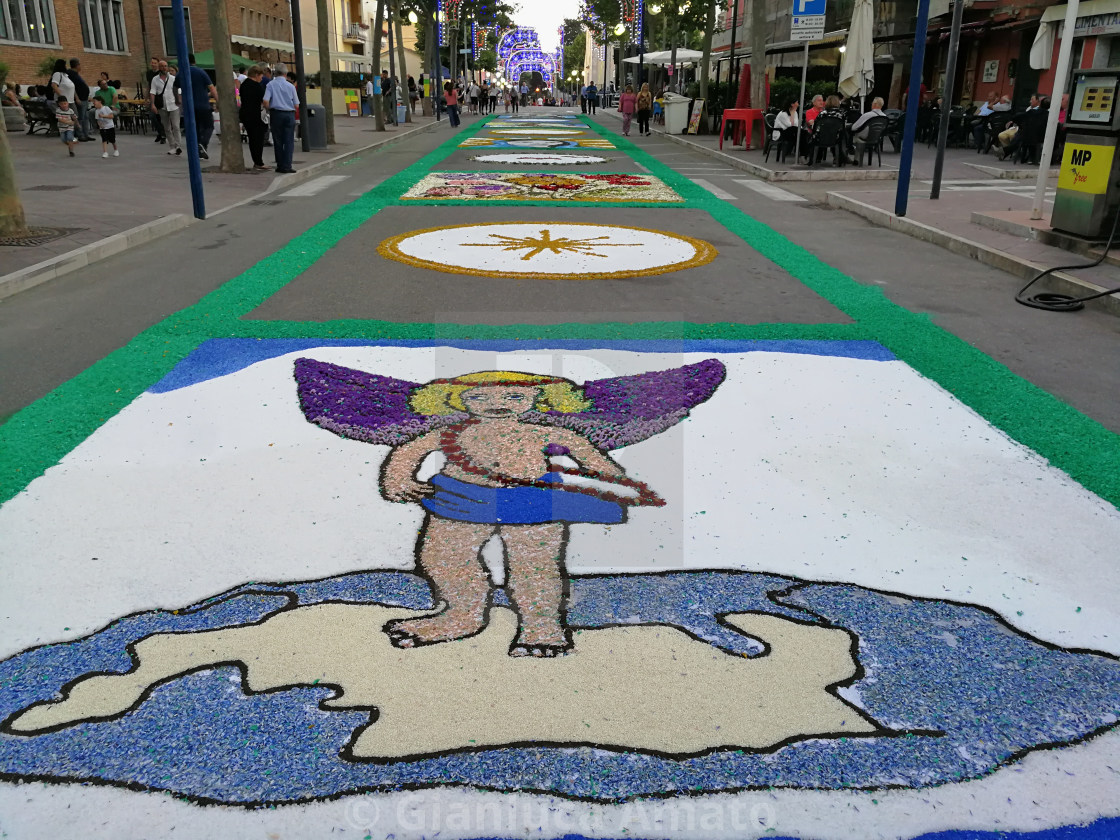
(928, 667)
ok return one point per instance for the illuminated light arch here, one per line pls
(520, 51)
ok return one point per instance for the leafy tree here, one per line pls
(12, 222)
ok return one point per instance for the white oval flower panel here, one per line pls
(548, 250)
(529, 159)
(537, 131)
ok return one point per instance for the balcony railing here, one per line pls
(355, 33)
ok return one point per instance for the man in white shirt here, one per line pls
(859, 127)
(370, 92)
(161, 99)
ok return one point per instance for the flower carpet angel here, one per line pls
(499, 433)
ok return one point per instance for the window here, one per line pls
(167, 23)
(28, 21)
(102, 25)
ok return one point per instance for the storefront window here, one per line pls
(27, 22)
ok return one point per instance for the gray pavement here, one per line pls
(1067, 354)
(739, 285)
(50, 333)
(97, 197)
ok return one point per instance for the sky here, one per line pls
(546, 16)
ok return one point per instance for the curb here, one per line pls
(79, 258)
(1024, 269)
(1011, 174)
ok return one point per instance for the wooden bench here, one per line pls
(40, 115)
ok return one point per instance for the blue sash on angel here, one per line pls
(466, 502)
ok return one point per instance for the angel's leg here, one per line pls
(449, 558)
(534, 554)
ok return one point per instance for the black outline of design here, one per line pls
(773, 596)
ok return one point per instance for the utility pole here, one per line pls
(378, 99)
(301, 72)
(732, 67)
(323, 29)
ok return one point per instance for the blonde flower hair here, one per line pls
(445, 396)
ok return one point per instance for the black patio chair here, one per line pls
(768, 141)
(895, 126)
(828, 135)
(872, 141)
(997, 122)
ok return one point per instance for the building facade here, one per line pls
(120, 36)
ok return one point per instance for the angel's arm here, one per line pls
(398, 475)
(591, 457)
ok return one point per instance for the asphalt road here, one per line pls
(52, 332)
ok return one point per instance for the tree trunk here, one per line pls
(676, 79)
(758, 55)
(706, 61)
(378, 99)
(12, 221)
(233, 154)
(322, 22)
(403, 73)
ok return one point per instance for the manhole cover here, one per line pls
(52, 187)
(38, 236)
(265, 202)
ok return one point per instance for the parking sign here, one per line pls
(802, 8)
(807, 22)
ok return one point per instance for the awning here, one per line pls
(248, 41)
(205, 60)
(1043, 47)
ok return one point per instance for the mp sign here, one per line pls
(807, 23)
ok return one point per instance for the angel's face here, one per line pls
(494, 401)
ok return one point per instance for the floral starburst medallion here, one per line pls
(548, 250)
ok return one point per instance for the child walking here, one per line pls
(67, 120)
(105, 116)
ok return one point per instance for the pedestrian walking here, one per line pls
(493, 98)
(583, 99)
(281, 100)
(645, 109)
(80, 100)
(203, 89)
(157, 123)
(66, 117)
(413, 94)
(251, 116)
(60, 84)
(451, 97)
(162, 100)
(514, 99)
(106, 116)
(627, 105)
(389, 97)
(592, 98)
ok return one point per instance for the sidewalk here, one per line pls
(989, 225)
(959, 164)
(111, 204)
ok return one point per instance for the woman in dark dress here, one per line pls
(252, 95)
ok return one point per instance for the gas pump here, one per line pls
(1089, 181)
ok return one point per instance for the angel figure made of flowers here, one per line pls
(525, 456)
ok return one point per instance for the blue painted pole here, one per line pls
(913, 102)
(194, 166)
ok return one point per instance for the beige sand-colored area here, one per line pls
(643, 687)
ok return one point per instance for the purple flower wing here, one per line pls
(629, 409)
(361, 406)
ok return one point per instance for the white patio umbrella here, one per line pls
(664, 57)
(857, 63)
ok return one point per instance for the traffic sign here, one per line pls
(806, 27)
(809, 7)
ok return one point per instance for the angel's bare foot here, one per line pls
(445, 627)
(549, 651)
